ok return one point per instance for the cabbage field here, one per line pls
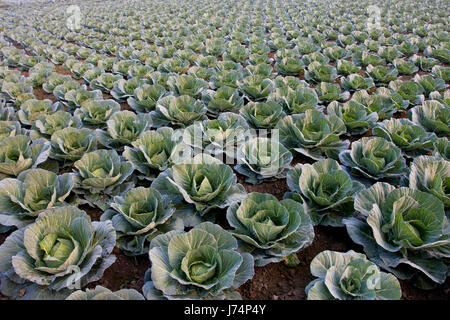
(225, 149)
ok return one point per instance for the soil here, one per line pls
(41, 95)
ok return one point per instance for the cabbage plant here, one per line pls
(424, 63)
(229, 78)
(203, 263)
(356, 117)
(145, 97)
(433, 116)
(405, 134)
(100, 174)
(19, 153)
(45, 125)
(36, 78)
(366, 58)
(75, 98)
(336, 53)
(346, 68)
(139, 216)
(123, 128)
(34, 190)
(53, 80)
(178, 111)
(31, 109)
(431, 175)
(382, 75)
(11, 129)
(218, 136)
(14, 90)
(354, 82)
(441, 72)
(187, 85)
(289, 66)
(384, 102)
(102, 293)
(295, 101)
(403, 231)
(442, 148)
(61, 249)
(257, 88)
(405, 67)
(262, 159)
(331, 92)
(430, 83)
(325, 190)
(70, 144)
(123, 89)
(154, 151)
(224, 99)
(350, 276)
(262, 115)
(95, 113)
(203, 181)
(105, 82)
(410, 91)
(318, 72)
(173, 65)
(289, 81)
(374, 158)
(271, 230)
(313, 134)
(60, 90)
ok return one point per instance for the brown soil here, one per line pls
(127, 272)
(41, 94)
(401, 114)
(59, 69)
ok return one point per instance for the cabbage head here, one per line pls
(200, 264)
(374, 158)
(313, 134)
(70, 144)
(138, 216)
(325, 190)
(178, 111)
(433, 116)
(203, 181)
(262, 159)
(102, 293)
(19, 153)
(34, 190)
(405, 134)
(61, 250)
(123, 128)
(102, 173)
(95, 113)
(271, 230)
(403, 231)
(432, 175)
(154, 151)
(350, 276)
